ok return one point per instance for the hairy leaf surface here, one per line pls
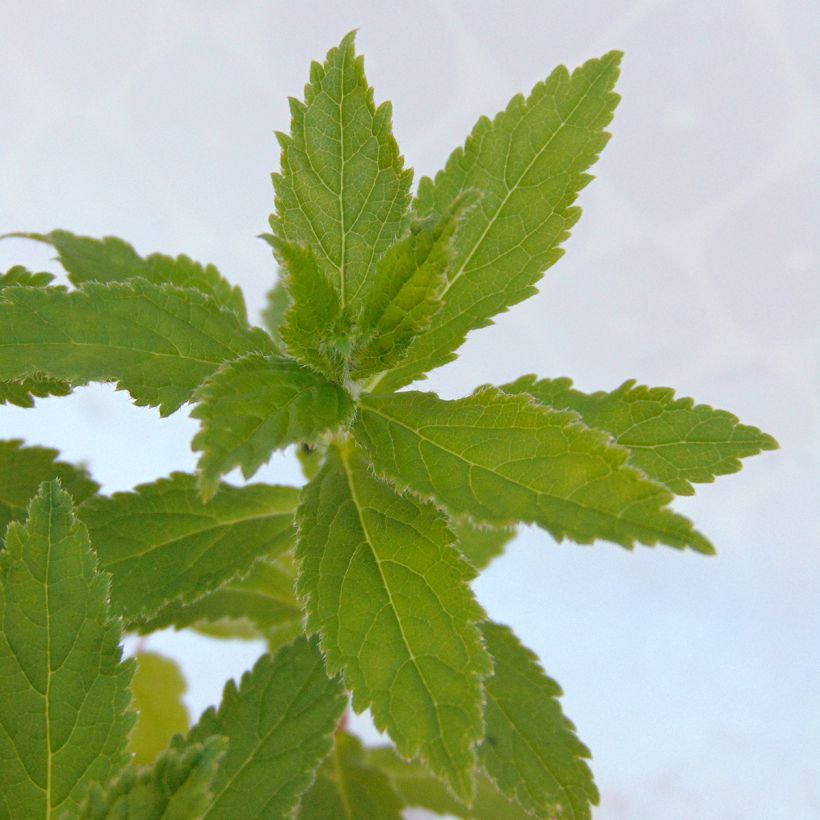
(110, 259)
(389, 595)
(419, 788)
(64, 718)
(343, 189)
(256, 405)
(158, 342)
(279, 724)
(481, 544)
(529, 163)
(23, 469)
(502, 458)
(176, 787)
(162, 543)
(674, 441)
(531, 750)
(157, 688)
(347, 786)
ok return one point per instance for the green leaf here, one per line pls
(112, 260)
(157, 688)
(389, 595)
(256, 405)
(674, 441)
(529, 163)
(277, 303)
(279, 724)
(343, 189)
(157, 341)
(17, 276)
(176, 787)
(419, 788)
(23, 469)
(347, 786)
(531, 750)
(64, 718)
(260, 605)
(162, 543)
(406, 289)
(502, 458)
(314, 330)
(480, 544)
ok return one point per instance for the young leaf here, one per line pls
(162, 543)
(343, 189)
(674, 441)
(176, 787)
(389, 595)
(419, 788)
(112, 260)
(157, 341)
(258, 404)
(529, 163)
(531, 750)
(314, 329)
(157, 688)
(502, 458)
(260, 605)
(347, 786)
(279, 724)
(64, 718)
(405, 291)
(23, 469)
(480, 544)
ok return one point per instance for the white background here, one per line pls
(695, 681)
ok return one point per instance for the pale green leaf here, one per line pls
(419, 788)
(342, 189)
(162, 543)
(479, 543)
(529, 163)
(315, 329)
(18, 276)
(348, 786)
(279, 724)
(277, 303)
(23, 469)
(674, 441)
(110, 259)
(531, 750)
(176, 787)
(405, 293)
(256, 405)
(501, 458)
(64, 718)
(157, 341)
(157, 688)
(260, 605)
(389, 595)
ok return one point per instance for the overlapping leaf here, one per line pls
(176, 787)
(110, 259)
(481, 544)
(389, 595)
(276, 306)
(23, 469)
(342, 189)
(157, 341)
(674, 441)
(257, 404)
(502, 458)
(157, 688)
(529, 163)
(531, 750)
(64, 718)
(279, 724)
(161, 543)
(348, 786)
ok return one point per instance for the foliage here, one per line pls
(360, 582)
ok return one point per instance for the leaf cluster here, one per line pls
(359, 582)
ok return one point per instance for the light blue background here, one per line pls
(695, 681)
